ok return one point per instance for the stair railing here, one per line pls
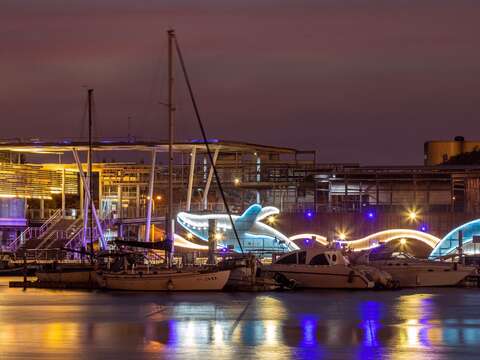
(52, 220)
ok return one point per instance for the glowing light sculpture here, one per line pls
(386, 236)
(180, 241)
(253, 233)
(318, 238)
(449, 243)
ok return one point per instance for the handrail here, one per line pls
(30, 232)
(74, 237)
(52, 220)
(79, 235)
(13, 246)
(74, 224)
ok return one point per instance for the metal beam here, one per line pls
(209, 179)
(63, 192)
(103, 243)
(150, 196)
(86, 206)
(190, 177)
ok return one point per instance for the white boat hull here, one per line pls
(323, 277)
(428, 276)
(166, 281)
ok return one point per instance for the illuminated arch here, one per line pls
(180, 241)
(449, 243)
(318, 238)
(386, 236)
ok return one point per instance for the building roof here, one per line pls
(67, 145)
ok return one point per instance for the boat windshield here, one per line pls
(289, 259)
(386, 255)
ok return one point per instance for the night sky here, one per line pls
(359, 81)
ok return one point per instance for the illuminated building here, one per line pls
(311, 197)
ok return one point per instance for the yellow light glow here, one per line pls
(21, 196)
(236, 181)
(413, 214)
(342, 235)
(159, 197)
(386, 236)
(218, 236)
(403, 241)
(271, 220)
(189, 236)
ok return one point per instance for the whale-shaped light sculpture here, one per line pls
(254, 235)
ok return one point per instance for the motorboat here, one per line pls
(321, 269)
(413, 272)
(164, 280)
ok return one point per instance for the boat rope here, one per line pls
(205, 140)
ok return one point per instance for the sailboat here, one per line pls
(166, 279)
(76, 275)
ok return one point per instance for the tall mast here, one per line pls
(90, 182)
(171, 118)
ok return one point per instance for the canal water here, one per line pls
(405, 324)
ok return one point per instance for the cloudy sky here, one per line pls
(359, 80)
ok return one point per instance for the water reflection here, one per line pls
(330, 324)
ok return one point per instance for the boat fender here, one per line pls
(350, 276)
(170, 284)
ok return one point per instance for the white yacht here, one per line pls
(319, 268)
(412, 272)
(165, 280)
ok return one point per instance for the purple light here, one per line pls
(423, 228)
(309, 214)
(371, 215)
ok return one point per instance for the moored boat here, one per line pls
(409, 271)
(320, 269)
(165, 280)
(68, 275)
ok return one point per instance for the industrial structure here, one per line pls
(442, 151)
(42, 195)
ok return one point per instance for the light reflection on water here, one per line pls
(422, 324)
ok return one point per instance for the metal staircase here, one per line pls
(34, 235)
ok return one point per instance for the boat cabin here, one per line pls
(313, 257)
